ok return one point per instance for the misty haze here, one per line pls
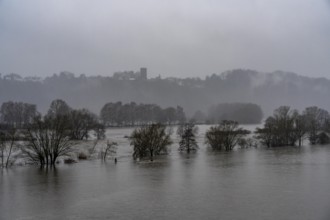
(152, 109)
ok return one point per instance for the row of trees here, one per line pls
(14, 117)
(243, 113)
(153, 139)
(288, 127)
(131, 114)
(48, 137)
(20, 115)
(17, 114)
(225, 136)
(44, 138)
(53, 135)
(79, 122)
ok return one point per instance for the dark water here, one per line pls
(286, 183)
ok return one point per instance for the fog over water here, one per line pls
(173, 38)
(109, 66)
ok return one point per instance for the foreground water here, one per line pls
(284, 183)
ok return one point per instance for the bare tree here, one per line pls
(225, 135)
(300, 127)
(17, 114)
(58, 107)
(111, 148)
(247, 142)
(150, 140)
(92, 149)
(99, 131)
(2, 148)
(316, 119)
(12, 137)
(284, 128)
(287, 127)
(187, 133)
(266, 134)
(47, 139)
(8, 140)
(81, 122)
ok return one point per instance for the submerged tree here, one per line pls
(265, 134)
(99, 131)
(287, 127)
(284, 128)
(247, 142)
(79, 121)
(187, 133)
(300, 127)
(150, 140)
(47, 139)
(12, 137)
(323, 138)
(2, 148)
(8, 140)
(82, 121)
(225, 135)
(316, 121)
(111, 148)
(17, 114)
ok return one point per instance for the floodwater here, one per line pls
(282, 183)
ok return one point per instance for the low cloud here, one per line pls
(173, 38)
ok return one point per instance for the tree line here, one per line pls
(21, 116)
(45, 138)
(243, 113)
(17, 114)
(151, 140)
(288, 127)
(132, 114)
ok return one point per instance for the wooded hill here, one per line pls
(267, 90)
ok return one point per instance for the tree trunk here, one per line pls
(10, 149)
(151, 155)
(2, 156)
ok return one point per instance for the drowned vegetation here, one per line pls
(44, 139)
(286, 127)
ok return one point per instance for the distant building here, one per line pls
(131, 75)
(143, 73)
(125, 75)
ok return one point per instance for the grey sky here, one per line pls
(172, 38)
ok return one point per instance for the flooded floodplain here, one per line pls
(254, 183)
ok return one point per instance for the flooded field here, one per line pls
(255, 183)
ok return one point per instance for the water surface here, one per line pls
(283, 183)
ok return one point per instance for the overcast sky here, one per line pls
(173, 38)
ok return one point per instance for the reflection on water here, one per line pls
(282, 183)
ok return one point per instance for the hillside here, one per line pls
(269, 90)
